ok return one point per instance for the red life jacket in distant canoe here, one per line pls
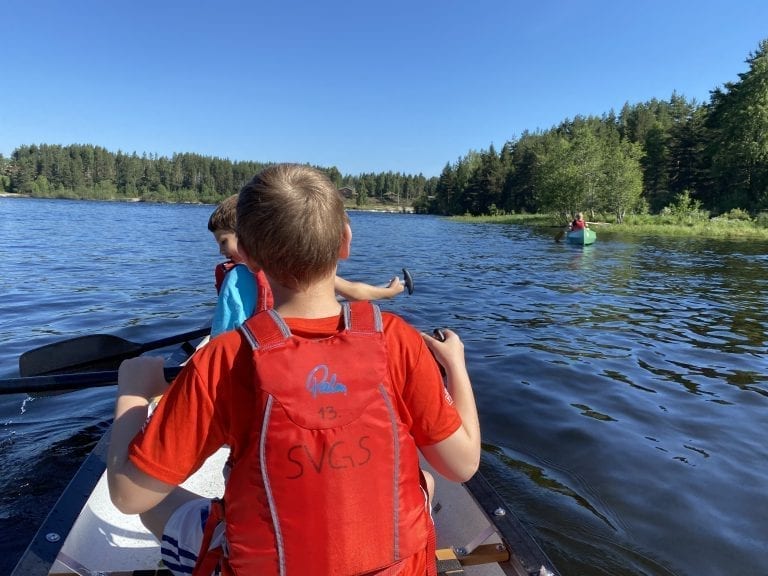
(328, 481)
(266, 300)
(578, 225)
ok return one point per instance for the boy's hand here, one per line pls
(141, 376)
(396, 285)
(447, 348)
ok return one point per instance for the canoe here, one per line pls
(84, 534)
(584, 237)
(477, 534)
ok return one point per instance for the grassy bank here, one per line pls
(646, 225)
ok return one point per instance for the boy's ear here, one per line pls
(346, 243)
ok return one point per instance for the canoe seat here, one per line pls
(449, 564)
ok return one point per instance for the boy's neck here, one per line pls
(316, 301)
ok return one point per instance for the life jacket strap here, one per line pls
(209, 558)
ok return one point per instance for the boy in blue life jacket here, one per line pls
(242, 292)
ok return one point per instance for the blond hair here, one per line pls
(224, 217)
(290, 221)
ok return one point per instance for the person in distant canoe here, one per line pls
(578, 223)
(242, 292)
(326, 406)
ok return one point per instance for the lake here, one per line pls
(622, 387)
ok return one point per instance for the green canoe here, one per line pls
(583, 237)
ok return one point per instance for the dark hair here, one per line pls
(224, 217)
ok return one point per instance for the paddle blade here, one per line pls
(408, 279)
(92, 352)
(559, 235)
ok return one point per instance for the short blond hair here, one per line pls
(290, 221)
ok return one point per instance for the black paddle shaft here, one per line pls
(92, 352)
(67, 382)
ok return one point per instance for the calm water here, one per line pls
(622, 387)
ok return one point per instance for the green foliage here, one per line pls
(640, 161)
(555, 179)
(716, 228)
(5, 174)
(641, 225)
(83, 171)
(738, 131)
(484, 186)
(685, 210)
(586, 165)
(361, 197)
(737, 214)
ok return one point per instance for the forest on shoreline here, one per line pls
(666, 161)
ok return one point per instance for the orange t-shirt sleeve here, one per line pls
(424, 403)
(182, 432)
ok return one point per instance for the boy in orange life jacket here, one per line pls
(241, 292)
(324, 406)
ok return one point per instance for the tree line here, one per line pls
(647, 158)
(92, 172)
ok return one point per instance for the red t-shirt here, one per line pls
(192, 420)
(578, 225)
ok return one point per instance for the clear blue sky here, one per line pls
(367, 86)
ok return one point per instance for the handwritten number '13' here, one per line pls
(328, 413)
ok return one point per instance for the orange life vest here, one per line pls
(265, 302)
(328, 481)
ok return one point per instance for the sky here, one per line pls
(396, 85)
